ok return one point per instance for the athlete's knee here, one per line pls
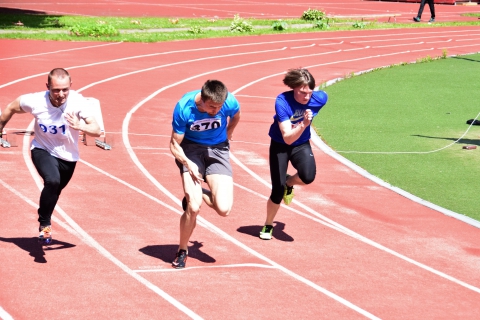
(223, 209)
(193, 208)
(52, 183)
(276, 197)
(307, 178)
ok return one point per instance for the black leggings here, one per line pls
(56, 174)
(301, 158)
(430, 4)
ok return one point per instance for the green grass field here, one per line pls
(401, 125)
(149, 29)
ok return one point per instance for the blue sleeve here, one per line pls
(282, 109)
(179, 122)
(233, 105)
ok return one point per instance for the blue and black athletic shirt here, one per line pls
(287, 108)
(200, 127)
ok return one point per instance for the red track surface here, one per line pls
(269, 9)
(346, 249)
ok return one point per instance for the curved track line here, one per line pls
(348, 231)
(65, 50)
(190, 50)
(417, 38)
(239, 265)
(322, 146)
(210, 226)
(5, 315)
(233, 46)
(84, 236)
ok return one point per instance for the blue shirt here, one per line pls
(287, 108)
(200, 127)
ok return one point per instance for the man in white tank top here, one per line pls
(54, 149)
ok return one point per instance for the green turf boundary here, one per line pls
(402, 124)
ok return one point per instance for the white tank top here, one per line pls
(52, 132)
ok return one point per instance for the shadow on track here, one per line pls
(278, 232)
(35, 249)
(166, 252)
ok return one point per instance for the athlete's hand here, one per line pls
(307, 117)
(73, 121)
(194, 173)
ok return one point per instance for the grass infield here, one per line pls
(148, 29)
(402, 124)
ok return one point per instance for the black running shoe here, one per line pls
(180, 259)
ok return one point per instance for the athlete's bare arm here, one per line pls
(10, 110)
(178, 153)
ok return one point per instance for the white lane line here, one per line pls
(398, 45)
(470, 45)
(449, 40)
(84, 236)
(330, 44)
(239, 265)
(58, 51)
(356, 49)
(4, 315)
(467, 40)
(420, 50)
(442, 34)
(209, 225)
(302, 47)
(318, 65)
(182, 62)
(336, 226)
(248, 96)
(131, 58)
(35, 205)
(456, 33)
(350, 232)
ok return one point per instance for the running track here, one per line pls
(346, 249)
(268, 9)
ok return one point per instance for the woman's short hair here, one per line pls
(299, 77)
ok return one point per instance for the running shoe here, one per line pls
(288, 193)
(416, 19)
(45, 236)
(180, 259)
(266, 233)
(431, 20)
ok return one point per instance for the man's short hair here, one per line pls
(59, 73)
(214, 90)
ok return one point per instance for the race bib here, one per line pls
(206, 124)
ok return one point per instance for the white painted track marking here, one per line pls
(58, 51)
(84, 236)
(4, 315)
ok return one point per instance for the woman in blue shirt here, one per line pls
(290, 140)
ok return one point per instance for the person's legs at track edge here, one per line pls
(303, 160)
(56, 173)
